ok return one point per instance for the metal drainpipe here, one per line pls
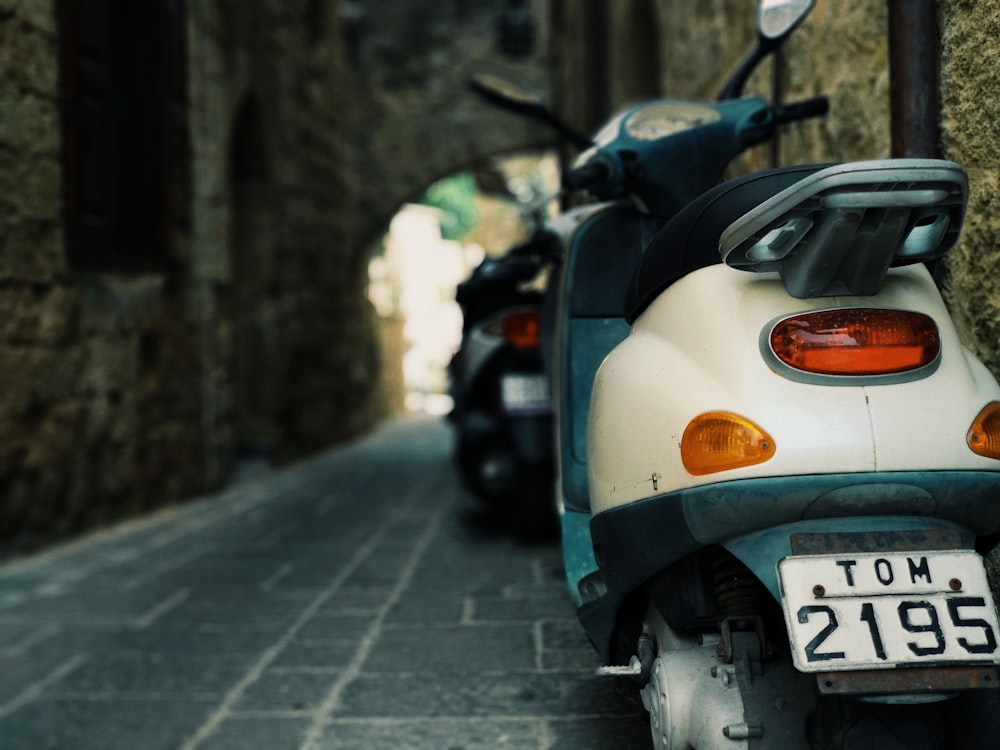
(778, 75)
(600, 59)
(204, 228)
(913, 78)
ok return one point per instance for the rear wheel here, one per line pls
(846, 724)
(970, 721)
(519, 495)
(530, 508)
(488, 468)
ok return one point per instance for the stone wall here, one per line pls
(291, 349)
(80, 416)
(309, 122)
(970, 125)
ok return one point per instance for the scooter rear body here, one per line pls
(589, 323)
(830, 550)
(703, 347)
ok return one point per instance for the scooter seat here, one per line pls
(690, 240)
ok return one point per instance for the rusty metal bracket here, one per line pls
(909, 680)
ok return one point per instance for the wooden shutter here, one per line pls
(126, 153)
(87, 106)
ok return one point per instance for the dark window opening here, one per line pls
(125, 136)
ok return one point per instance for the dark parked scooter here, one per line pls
(503, 409)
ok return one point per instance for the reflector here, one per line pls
(718, 441)
(856, 341)
(984, 435)
(521, 328)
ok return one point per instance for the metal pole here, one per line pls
(600, 58)
(913, 72)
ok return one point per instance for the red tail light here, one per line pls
(522, 328)
(856, 341)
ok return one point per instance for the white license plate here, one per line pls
(525, 393)
(882, 610)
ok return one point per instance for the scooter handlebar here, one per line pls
(582, 177)
(817, 106)
(605, 176)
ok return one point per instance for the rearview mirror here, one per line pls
(777, 18)
(523, 100)
(507, 94)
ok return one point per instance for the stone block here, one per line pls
(31, 251)
(28, 52)
(30, 123)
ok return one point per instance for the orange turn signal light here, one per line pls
(718, 441)
(522, 328)
(984, 435)
(856, 341)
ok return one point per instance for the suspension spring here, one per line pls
(737, 590)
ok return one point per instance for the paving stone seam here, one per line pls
(268, 584)
(546, 738)
(215, 719)
(431, 673)
(451, 721)
(500, 622)
(154, 613)
(331, 671)
(323, 712)
(539, 641)
(20, 648)
(151, 572)
(468, 611)
(197, 514)
(275, 535)
(130, 696)
(36, 688)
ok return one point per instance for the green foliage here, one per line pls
(455, 196)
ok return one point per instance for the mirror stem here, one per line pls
(579, 141)
(734, 88)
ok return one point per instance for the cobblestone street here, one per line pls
(352, 601)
